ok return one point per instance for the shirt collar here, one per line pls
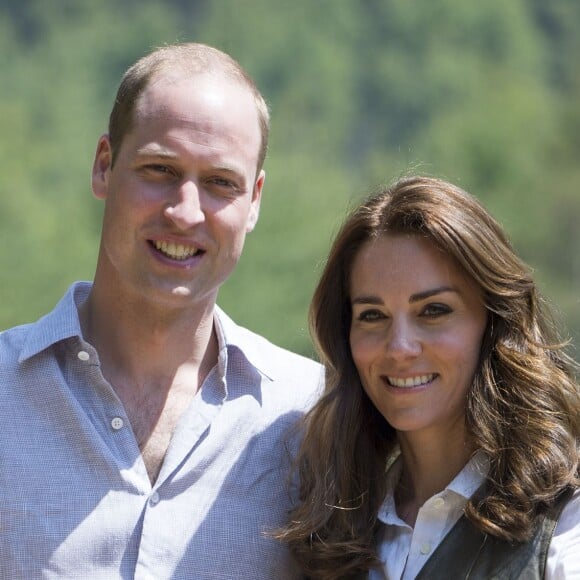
(470, 478)
(63, 323)
(250, 345)
(60, 324)
(465, 484)
(388, 511)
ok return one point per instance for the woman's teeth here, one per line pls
(411, 381)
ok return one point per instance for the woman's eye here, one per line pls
(370, 315)
(436, 310)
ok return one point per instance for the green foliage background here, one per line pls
(485, 94)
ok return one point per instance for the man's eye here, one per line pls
(436, 310)
(222, 182)
(155, 168)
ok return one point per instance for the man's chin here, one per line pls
(181, 291)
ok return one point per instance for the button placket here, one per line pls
(438, 502)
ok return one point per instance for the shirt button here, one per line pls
(425, 548)
(154, 499)
(438, 502)
(83, 355)
(117, 423)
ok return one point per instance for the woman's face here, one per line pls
(416, 332)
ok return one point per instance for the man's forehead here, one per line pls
(197, 80)
(199, 93)
(178, 112)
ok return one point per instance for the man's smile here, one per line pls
(176, 251)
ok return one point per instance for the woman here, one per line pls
(446, 444)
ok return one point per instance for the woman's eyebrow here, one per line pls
(367, 300)
(431, 292)
(370, 299)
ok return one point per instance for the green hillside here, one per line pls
(485, 94)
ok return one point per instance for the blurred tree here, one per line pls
(60, 68)
(484, 94)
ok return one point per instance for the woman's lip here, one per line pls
(411, 381)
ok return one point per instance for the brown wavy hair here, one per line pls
(522, 409)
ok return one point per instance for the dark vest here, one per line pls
(467, 553)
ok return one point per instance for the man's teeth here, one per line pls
(411, 381)
(175, 251)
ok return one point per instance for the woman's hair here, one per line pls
(522, 409)
(186, 60)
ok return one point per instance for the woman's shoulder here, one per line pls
(564, 555)
(570, 517)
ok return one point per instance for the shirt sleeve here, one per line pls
(564, 553)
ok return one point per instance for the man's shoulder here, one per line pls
(30, 338)
(277, 355)
(266, 345)
(291, 381)
(274, 361)
(12, 339)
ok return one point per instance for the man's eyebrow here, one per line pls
(431, 292)
(163, 153)
(226, 169)
(156, 152)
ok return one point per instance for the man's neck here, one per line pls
(155, 362)
(141, 340)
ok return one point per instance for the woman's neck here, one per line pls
(429, 464)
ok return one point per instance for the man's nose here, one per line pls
(185, 209)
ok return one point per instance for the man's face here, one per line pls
(183, 191)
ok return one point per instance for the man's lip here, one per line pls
(178, 250)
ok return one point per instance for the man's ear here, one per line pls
(256, 199)
(102, 167)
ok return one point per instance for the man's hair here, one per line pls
(188, 59)
(521, 410)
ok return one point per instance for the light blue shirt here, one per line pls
(75, 497)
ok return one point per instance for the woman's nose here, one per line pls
(403, 340)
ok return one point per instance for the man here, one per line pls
(145, 435)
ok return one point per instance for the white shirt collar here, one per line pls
(465, 484)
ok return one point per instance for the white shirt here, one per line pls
(404, 550)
